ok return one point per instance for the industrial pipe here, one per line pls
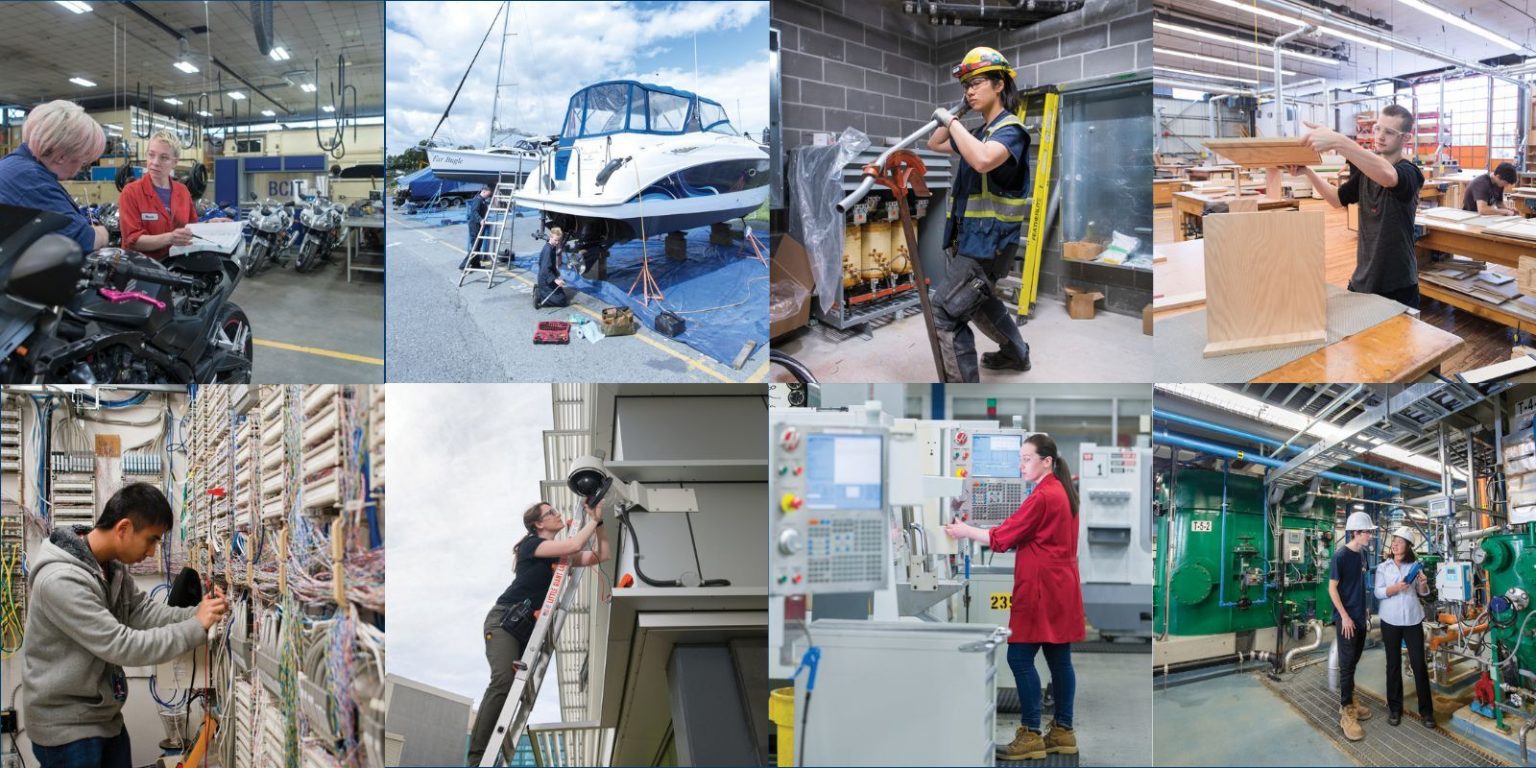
(1279, 96)
(1168, 438)
(868, 183)
(1452, 635)
(1478, 534)
(1317, 641)
(1159, 413)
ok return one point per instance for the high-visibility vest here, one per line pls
(987, 204)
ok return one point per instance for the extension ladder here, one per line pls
(483, 254)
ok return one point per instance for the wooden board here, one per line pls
(1449, 214)
(1264, 283)
(1179, 280)
(1402, 349)
(1265, 152)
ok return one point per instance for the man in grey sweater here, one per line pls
(88, 620)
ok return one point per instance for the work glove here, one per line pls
(944, 116)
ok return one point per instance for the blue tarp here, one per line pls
(721, 292)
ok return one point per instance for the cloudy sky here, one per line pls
(555, 49)
(464, 462)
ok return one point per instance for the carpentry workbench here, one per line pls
(1401, 349)
(1187, 205)
(1208, 172)
(1522, 199)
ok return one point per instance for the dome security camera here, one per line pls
(591, 480)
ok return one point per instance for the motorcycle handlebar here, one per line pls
(117, 266)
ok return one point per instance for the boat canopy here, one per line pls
(626, 106)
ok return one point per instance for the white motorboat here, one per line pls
(636, 160)
(485, 166)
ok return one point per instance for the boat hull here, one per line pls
(480, 167)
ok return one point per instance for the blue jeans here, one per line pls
(87, 753)
(1058, 656)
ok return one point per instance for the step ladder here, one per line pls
(513, 720)
(1039, 206)
(498, 214)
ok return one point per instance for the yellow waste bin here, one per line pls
(781, 710)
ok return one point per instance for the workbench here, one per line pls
(1401, 349)
(1163, 189)
(1187, 205)
(352, 234)
(1522, 200)
(1208, 172)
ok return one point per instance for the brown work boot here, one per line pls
(1362, 712)
(1350, 725)
(1060, 740)
(1026, 745)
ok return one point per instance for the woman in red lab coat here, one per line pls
(1046, 612)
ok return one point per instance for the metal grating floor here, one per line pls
(1407, 744)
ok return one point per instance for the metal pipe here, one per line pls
(1214, 427)
(1328, 410)
(868, 183)
(1168, 438)
(1279, 95)
(1317, 641)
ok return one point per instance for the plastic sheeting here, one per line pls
(721, 291)
(815, 182)
(423, 184)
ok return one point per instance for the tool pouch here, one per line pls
(517, 619)
(618, 321)
(964, 288)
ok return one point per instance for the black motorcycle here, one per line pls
(114, 316)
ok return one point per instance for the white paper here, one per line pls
(224, 234)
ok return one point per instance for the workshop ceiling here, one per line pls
(46, 45)
(1514, 19)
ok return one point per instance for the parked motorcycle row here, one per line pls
(115, 316)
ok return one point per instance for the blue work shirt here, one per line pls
(984, 238)
(26, 182)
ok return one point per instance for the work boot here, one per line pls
(1004, 360)
(1362, 712)
(1350, 725)
(1026, 745)
(1060, 740)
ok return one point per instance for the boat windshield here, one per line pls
(620, 107)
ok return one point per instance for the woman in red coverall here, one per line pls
(1047, 607)
(154, 210)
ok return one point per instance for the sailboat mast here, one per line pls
(501, 61)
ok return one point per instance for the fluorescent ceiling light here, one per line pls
(328, 108)
(1214, 60)
(84, 83)
(1299, 23)
(1269, 413)
(307, 87)
(75, 5)
(237, 96)
(1454, 20)
(170, 100)
(1193, 73)
(186, 66)
(204, 114)
(279, 53)
(268, 112)
(1245, 43)
(1201, 87)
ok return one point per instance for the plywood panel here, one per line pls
(1178, 280)
(1264, 281)
(1265, 152)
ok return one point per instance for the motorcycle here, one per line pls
(105, 215)
(270, 236)
(320, 225)
(114, 316)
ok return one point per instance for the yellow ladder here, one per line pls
(1034, 238)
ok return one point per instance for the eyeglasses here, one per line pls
(549, 512)
(1385, 131)
(973, 82)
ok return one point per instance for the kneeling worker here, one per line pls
(88, 620)
(549, 290)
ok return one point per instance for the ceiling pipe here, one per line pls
(1280, 95)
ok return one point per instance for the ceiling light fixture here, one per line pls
(307, 87)
(279, 54)
(1193, 73)
(237, 96)
(187, 67)
(1300, 23)
(328, 108)
(268, 113)
(170, 100)
(1454, 20)
(1214, 60)
(1245, 43)
(75, 5)
(84, 83)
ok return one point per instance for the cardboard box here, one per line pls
(1080, 303)
(789, 274)
(1080, 251)
(1146, 320)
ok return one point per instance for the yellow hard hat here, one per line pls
(981, 61)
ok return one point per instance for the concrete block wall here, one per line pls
(853, 63)
(1104, 37)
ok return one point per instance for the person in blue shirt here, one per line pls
(58, 141)
(987, 210)
(1400, 584)
(1346, 588)
(549, 289)
(476, 210)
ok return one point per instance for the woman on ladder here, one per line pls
(986, 213)
(1046, 610)
(510, 623)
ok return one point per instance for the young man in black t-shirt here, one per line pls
(1385, 185)
(1351, 622)
(1485, 195)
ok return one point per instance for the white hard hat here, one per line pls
(1359, 521)
(1406, 534)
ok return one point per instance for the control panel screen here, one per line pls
(996, 455)
(843, 471)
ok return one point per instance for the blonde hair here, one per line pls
(169, 138)
(61, 131)
(555, 232)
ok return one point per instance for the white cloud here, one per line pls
(553, 50)
(464, 462)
